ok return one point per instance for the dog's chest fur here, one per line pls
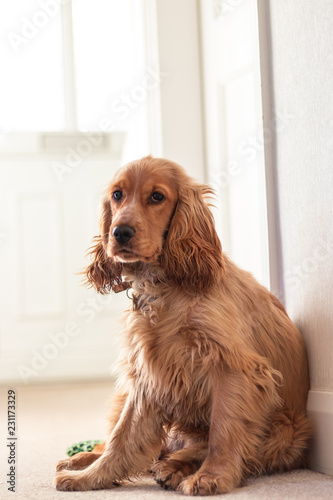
(169, 356)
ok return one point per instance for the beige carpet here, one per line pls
(54, 417)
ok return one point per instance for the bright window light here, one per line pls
(108, 54)
(106, 77)
(31, 84)
(110, 69)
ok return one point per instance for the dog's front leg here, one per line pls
(133, 445)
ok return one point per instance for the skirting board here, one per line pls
(320, 409)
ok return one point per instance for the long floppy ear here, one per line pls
(103, 272)
(192, 255)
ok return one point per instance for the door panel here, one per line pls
(234, 130)
(51, 326)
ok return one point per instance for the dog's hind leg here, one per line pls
(242, 403)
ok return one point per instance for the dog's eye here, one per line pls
(117, 195)
(157, 197)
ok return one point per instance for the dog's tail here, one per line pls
(287, 444)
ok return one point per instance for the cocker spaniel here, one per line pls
(214, 379)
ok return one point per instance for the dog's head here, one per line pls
(154, 212)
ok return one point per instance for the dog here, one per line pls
(214, 380)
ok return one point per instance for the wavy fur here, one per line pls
(214, 379)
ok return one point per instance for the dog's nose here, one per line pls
(123, 234)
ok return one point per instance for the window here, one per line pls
(73, 66)
(31, 86)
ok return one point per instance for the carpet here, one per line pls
(50, 418)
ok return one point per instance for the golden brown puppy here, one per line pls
(215, 378)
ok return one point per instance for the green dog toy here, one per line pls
(82, 446)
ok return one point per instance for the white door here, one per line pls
(234, 129)
(63, 96)
(51, 327)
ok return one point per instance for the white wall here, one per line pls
(301, 61)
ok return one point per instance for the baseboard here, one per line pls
(320, 409)
(30, 366)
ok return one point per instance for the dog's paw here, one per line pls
(63, 464)
(77, 462)
(203, 483)
(169, 473)
(80, 480)
(67, 480)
